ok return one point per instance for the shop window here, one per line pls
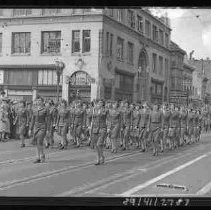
(51, 42)
(51, 11)
(86, 41)
(21, 43)
(48, 77)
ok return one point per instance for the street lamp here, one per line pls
(59, 68)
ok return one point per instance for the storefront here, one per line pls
(27, 81)
(124, 82)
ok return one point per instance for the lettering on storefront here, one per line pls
(81, 78)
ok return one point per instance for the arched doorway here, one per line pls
(142, 76)
(80, 86)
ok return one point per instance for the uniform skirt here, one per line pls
(39, 135)
(99, 137)
(115, 131)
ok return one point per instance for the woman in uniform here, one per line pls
(144, 127)
(21, 121)
(156, 127)
(52, 119)
(190, 126)
(135, 124)
(63, 123)
(98, 125)
(114, 116)
(39, 127)
(183, 125)
(126, 124)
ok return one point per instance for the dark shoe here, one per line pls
(23, 145)
(61, 148)
(42, 159)
(103, 160)
(98, 163)
(47, 146)
(37, 161)
(123, 148)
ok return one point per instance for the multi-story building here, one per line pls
(108, 53)
(203, 68)
(177, 92)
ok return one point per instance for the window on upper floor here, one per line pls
(21, 42)
(51, 42)
(22, 12)
(166, 67)
(107, 43)
(86, 41)
(120, 48)
(154, 62)
(130, 50)
(51, 11)
(160, 65)
(1, 12)
(155, 33)
(75, 41)
(147, 28)
(131, 18)
(166, 40)
(111, 12)
(77, 11)
(111, 44)
(87, 10)
(0, 43)
(120, 15)
(140, 24)
(161, 37)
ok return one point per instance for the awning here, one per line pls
(39, 66)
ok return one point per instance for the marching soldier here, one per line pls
(114, 122)
(21, 121)
(99, 128)
(126, 124)
(121, 108)
(174, 127)
(183, 125)
(135, 124)
(78, 121)
(205, 119)
(39, 125)
(156, 127)
(166, 124)
(71, 109)
(51, 119)
(190, 126)
(195, 125)
(144, 124)
(63, 123)
(89, 120)
(200, 124)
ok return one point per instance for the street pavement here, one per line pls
(72, 173)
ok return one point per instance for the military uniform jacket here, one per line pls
(39, 118)
(183, 120)
(126, 117)
(196, 120)
(190, 119)
(135, 118)
(114, 118)
(22, 117)
(156, 120)
(63, 117)
(175, 119)
(51, 117)
(71, 115)
(89, 112)
(99, 119)
(166, 119)
(144, 119)
(78, 116)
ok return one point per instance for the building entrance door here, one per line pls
(80, 86)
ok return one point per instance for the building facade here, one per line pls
(108, 53)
